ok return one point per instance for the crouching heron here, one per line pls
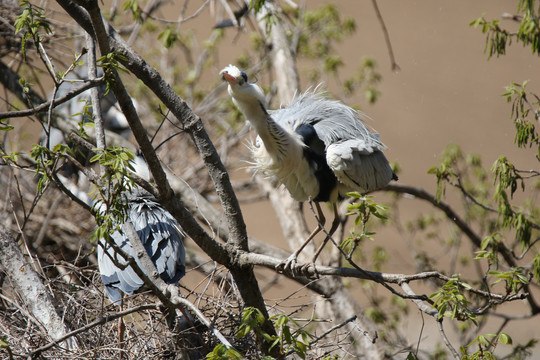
(162, 238)
(318, 148)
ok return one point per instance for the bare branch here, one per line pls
(382, 278)
(395, 66)
(447, 342)
(46, 105)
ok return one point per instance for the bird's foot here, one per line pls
(304, 270)
(290, 266)
(172, 291)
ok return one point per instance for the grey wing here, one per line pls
(333, 121)
(162, 237)
(352, 151)
(115, 278)
(360, 164)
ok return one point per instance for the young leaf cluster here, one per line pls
(323, 27)
(34, 22)
(450, 301)
(133, 7)
(366, 76)
(288, 340)
(447, 170)
(514, 279)
(528, 33)
(486, 344)
(47, 162)
(363, 210)
(110, 62)
(522, 108)
(110, 207)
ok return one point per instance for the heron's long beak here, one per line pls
(227, 77)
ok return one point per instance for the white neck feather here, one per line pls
(251, 102)
(253, 111)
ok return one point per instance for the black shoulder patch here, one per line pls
(315, 154)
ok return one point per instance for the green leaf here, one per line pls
(256, 5)
(505, 339)
(536, 267)
(483, 341)
(411, 356)
(3, 343)
(168, 37)
(6, 127)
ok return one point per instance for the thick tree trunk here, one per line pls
(31, 290)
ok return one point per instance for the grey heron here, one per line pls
(162, 238)
(318, 148)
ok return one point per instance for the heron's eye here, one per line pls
(244, 76)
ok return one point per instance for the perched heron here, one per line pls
(318, 148)
(162, 238)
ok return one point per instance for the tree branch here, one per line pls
(389, 278)
(463, 226)
(44, 106)
(395, 66)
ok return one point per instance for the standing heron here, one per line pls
(162, 238)
(318, 148)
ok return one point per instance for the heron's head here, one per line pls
(234, 76)
(242, 91)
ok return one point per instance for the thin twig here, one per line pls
(54, 102)
(395, 66)
(469, 196)
(420, 335)
(446, 341)
(100, 321)
(333, 328)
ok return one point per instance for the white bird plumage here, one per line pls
(319, 149)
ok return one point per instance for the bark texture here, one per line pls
(28, 285)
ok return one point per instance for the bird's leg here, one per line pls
(121, 330)
(333, 229)
(289, 265)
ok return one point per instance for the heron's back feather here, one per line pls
(319, 126)
(161, 236)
